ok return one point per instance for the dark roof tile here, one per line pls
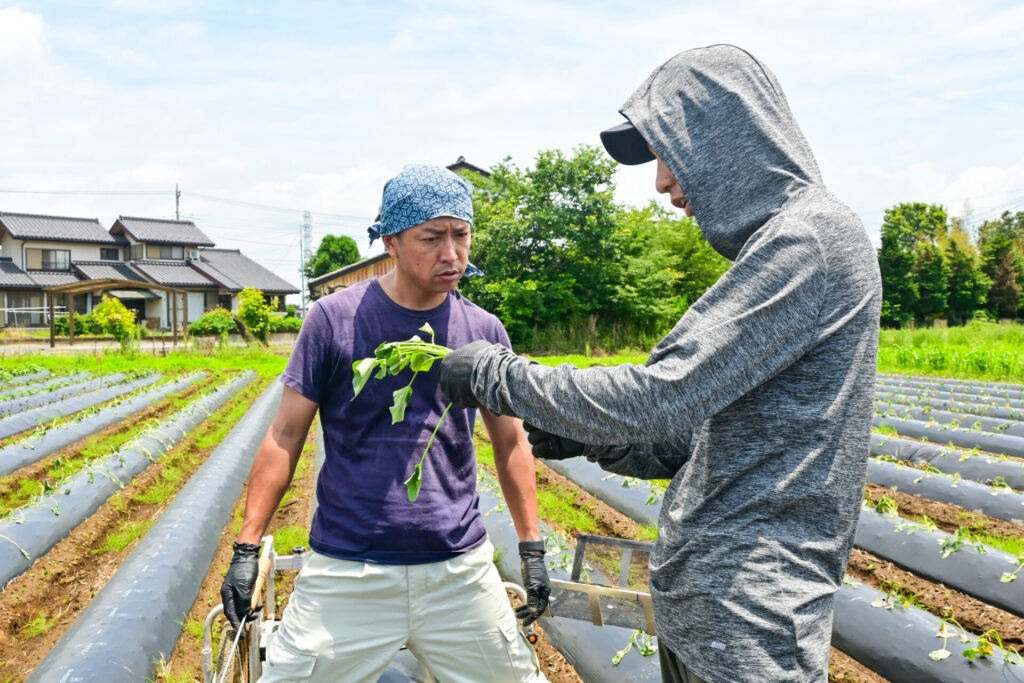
(162, 231)
(172, 274)
(25, 226)
(234, 271)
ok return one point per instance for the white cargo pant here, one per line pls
(346, 620)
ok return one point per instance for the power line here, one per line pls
(270, 207)
(148, 193)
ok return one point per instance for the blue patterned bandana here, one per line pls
(420, 193)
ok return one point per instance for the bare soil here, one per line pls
(946, 516)
(61, 584)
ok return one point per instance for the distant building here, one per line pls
(374, 266)
(354, 273)
(42, 251)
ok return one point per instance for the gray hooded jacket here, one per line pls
(757, 405)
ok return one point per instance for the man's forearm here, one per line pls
(271, 474)
(518, 479)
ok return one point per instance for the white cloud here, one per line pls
(901, 100)
(988, 190)
(23, 42)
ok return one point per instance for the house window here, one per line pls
(47, 259)
(110, 254)
(135, 252)
(24, 309)
(165, 252)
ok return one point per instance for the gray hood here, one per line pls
(717, 117)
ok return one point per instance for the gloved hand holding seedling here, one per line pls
(391, 358)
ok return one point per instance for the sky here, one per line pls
(259, 111)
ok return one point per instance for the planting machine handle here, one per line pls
(261, 577)
(520, 592)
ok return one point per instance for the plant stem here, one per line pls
(431, 442)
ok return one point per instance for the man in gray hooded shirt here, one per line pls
(757, 404)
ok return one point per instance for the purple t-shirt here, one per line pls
(363, 511)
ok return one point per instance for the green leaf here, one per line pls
(421, 362)
(413, 483)
(938, 655)
(402, 397)
(1007, 577)
(397, 363)
(361, 370)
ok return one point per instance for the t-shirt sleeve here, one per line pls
(311, 364)
(498, 335)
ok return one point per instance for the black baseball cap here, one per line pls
(625, 144)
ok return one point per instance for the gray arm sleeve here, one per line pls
(754, 322)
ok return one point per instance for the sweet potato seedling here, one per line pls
(391, 358)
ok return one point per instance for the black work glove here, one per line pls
(236, 591)
(551, 446)
(455, 374)
(535, 581)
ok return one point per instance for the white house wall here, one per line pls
(79, 251)
(10, 247)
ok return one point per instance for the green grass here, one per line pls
(120, 538)
(560, 507)
(40, 623)
(977, 351)
(287, 537)
(260, 360)
(163, 489)
(1008, 544)
(582, 361)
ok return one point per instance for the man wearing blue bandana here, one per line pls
(386, 572)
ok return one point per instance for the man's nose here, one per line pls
(448, 251)
(663, 181)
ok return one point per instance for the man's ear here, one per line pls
(390, 244)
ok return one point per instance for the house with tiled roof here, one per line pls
(43, 251)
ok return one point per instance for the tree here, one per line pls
(899, 291)
(546, 240)
(931, 273)
(1004, 265)
(968, 285)
(334, 252)
(667, 265)
(915, 222)
(905, 227)
(562, 260)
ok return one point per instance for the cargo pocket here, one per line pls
(287, 663)
(521, 655)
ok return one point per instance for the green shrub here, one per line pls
(279, 324)
(214, 322)
(114, 319)
(254, 312)
(84, 324)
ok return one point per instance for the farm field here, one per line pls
(88, 488)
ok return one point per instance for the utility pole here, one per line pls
(177, 203)
(306, 250)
